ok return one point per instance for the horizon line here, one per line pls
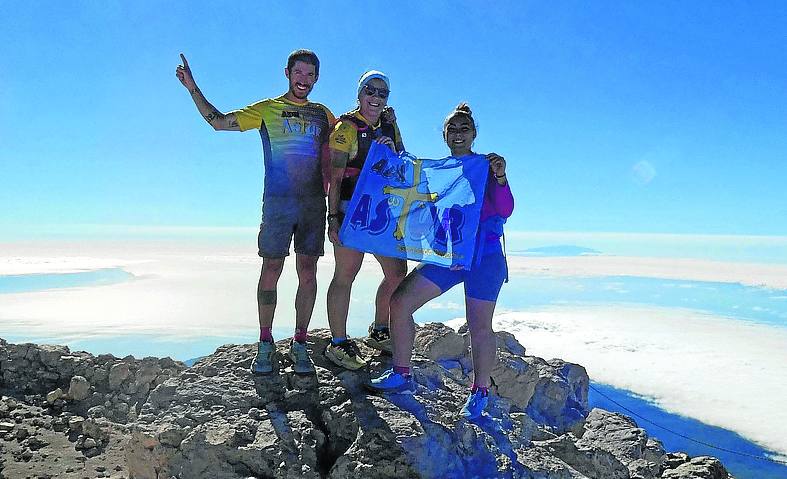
(70, 229)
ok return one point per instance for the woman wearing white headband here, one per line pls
(349, 144)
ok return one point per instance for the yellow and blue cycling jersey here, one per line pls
(345, 134)
(353, 134)
(292, 135)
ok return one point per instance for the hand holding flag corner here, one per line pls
(419, 209)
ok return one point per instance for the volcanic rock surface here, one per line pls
(74, 415)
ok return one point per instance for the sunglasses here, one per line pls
(378, 92)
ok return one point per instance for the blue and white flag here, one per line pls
(418, 209)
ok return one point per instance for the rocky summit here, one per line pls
(74, 415)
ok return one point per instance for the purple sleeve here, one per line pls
(498, 200)
(503, 199)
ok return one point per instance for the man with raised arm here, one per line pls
(293, 131)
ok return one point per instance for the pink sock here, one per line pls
(300, 335)
(265, 335)
(484, 389)
(403, 370)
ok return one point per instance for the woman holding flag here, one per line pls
(349, 143)
(482, 285)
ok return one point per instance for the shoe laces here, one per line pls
(389, 373)
(349, 347)
(299, 351)
(380, 334)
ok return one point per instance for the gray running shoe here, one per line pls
(301, 362)
(263, 361)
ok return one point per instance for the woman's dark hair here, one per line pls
(306, 56)
(462, 109)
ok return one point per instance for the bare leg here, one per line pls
(482, 339)
(306, 267)
(394, 271)
(411, 294)
(266, 290)
(348, 263)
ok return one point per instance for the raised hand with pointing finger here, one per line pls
(215, 118)
(293, 133)
(183, 72)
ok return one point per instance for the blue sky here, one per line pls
(653, 117)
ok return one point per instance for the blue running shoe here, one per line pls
(475, 404)
(391, 382)
(301, 362)
(263, 361)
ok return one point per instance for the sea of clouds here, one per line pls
(719, 370)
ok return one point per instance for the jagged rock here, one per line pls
(643, 469)
(542, 390)
(34, 443)
(75, 424)
(622, 437)
(49, 355)
(614, 433)
(654, 451)
(585, 460)
(96, 412)
(98, 430)
(524, 429)
(79, 388)
(21, 433)
(91, 452)
(117, 374)
(438, 342)
(552, 392)
(507, 342)
(702, 467)
(217, 420)
(674, 459)
(29, 369)
(53, 396)
(148, 371)
(541, 464)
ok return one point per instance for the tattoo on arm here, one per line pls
(214, 115)
(234, 124)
